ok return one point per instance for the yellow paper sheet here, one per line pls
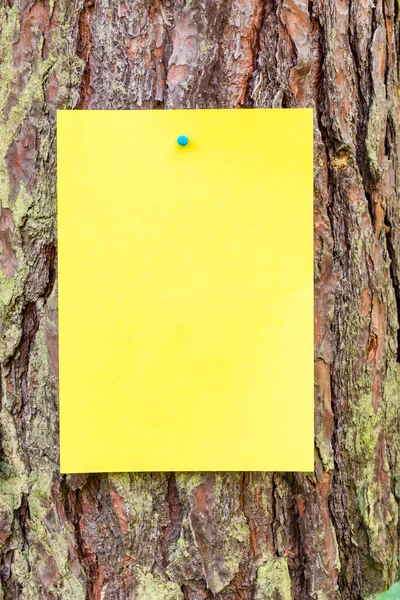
(186, 290)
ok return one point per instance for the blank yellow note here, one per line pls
(186, 290)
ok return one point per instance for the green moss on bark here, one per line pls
(273, 581)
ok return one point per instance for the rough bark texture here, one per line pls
(328, 535)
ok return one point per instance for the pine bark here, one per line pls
(328, 535)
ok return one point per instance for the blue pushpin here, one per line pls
(183, 140)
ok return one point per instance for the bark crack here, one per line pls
(84, 49)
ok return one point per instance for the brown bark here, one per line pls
(327, 535)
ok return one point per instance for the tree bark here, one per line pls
(328, 535)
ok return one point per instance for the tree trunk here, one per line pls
(328, 535)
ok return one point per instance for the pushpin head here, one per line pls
(183, 140)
